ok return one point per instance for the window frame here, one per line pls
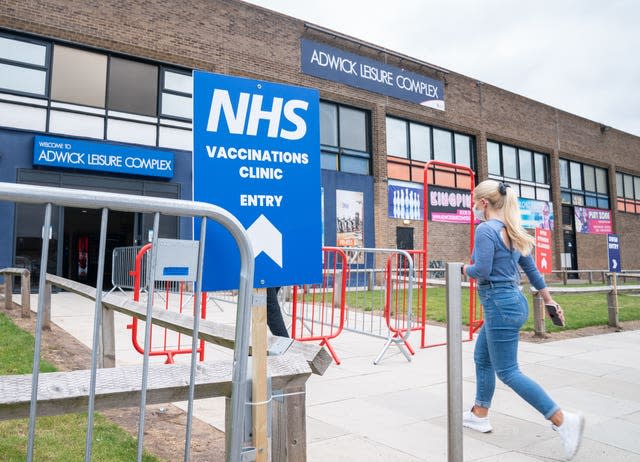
(577, 194)
(46, 68)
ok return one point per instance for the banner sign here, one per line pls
(544, 260)
(349, 218)
(613, 247)
(449, 205)
(536, 214)
(405, 202)
(333, 64)
(256, 153)
(593, 221)
(102, 157)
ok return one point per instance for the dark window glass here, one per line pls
(539, 162)
(328, 124)
(397, 138)
(526, 165)
(509, 162)
(442, 145)
(353, 129)
(133, 87)
(576, 175)
(420, 137)
(564, 173)
(493, 158)
(601, 181)
(463, 149)
(589, 178)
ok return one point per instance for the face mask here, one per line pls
(479, 214)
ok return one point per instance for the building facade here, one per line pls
(113, 82)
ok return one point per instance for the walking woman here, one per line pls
(501, 244)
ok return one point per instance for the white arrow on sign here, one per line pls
(266, 238)
(543, 263)
(614, 263)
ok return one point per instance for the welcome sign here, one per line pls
(330, 63)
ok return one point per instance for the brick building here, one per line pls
(117, 75)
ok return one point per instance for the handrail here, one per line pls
(129, 203)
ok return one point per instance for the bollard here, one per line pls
(337, 294)
(539, 327)
(612, 301)
(590, 277)
(8, 291)
(454, 361)
(46, 318)
(564, 277)
(25, 290)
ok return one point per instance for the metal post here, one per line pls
(454, 361)
(8, 291)
(35, 375)
(612, 299)
(147, 335)
(96, 346)
(194, 338)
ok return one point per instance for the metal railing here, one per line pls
(50, 196)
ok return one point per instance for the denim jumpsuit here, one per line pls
(506, 309)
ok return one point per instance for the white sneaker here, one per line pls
(480, 424)
(571, 433)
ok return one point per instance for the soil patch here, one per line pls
(165, 423)
(583, 332)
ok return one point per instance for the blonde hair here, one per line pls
(501, 197)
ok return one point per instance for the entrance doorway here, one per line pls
(404, 238)
(82, 240)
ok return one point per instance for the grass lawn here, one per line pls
(59, 438)
(581, 310)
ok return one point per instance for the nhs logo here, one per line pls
(256, 153)
(243, 116)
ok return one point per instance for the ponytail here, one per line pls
(501, 196)
(521, 240)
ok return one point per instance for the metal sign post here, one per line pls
(454, 362)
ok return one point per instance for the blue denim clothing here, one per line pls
(505, 311)
(494, 262)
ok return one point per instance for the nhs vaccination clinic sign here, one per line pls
(330, 63)
(103, 157)
(256, 153)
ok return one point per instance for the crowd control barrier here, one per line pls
(173, 297)
(143, 381)
(123, 267)
(367, 291)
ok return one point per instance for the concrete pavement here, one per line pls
(396, 411)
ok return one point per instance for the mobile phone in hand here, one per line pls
(553, 314)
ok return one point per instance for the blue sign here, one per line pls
(103, 157)
(330, 63)
(256, 153)
(613, 246)
(405, 202)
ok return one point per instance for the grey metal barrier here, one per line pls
(123, 262)
(49, 196)
(454, 362)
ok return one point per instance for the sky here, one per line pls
(581, 56)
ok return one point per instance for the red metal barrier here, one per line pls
(319, 309)
(436, 167)
(171, 342)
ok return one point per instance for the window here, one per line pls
(628, 192)
(78, 76)
(583, 185)
(133, 87)
(93, 94)
(410, 145)
(344, 138)
(524, 170)
(23, 66)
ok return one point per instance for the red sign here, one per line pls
(544, 261)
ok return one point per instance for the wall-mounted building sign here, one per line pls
(593, 221)
(330, 63)
(405, 202)
(449, 205)
(536, 214)
(103, 157)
